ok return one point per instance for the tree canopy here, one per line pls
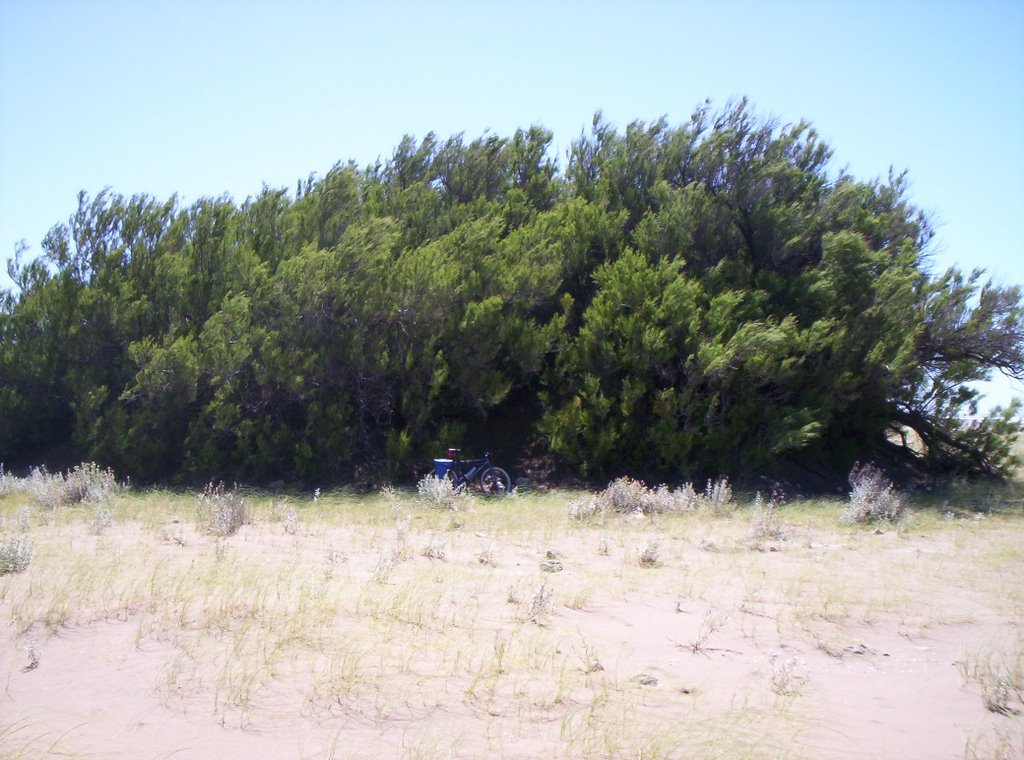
(675, 302)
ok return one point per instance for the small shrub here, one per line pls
(686, 498)
(87, 483)
(19, 522)
(514, 594)
(873, 498)
(767, 526)
(718, 496)
(435, 548)
(102, 518)
(15, 554)
(648, 555)
(440, 493)
(287, 515)
(23, 519)
(45, 488)
(32, 650)
(541, 604)
(587, 509)
(589, 661)
(222, 511)
(383, 567)
(787, 675)
(714, 621)
(625, 495)
(486, 556)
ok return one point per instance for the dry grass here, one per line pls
(507, 628)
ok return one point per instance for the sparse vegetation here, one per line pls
(999, 676)
(387, 613)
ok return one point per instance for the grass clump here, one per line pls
(873, 497)
(286, 515)
(1000, 678)
(787, 675)
(222, 511)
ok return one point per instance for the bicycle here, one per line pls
(493, 480)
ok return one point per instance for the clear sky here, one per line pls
(211, 97)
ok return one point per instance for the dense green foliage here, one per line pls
(683, 301)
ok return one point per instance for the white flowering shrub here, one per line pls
(222, 511)
(587, 508)
(85, 483)
(766, 524)
(441, 493)
(626, 495)
(873, 497)
(15, 554)
(718, 496)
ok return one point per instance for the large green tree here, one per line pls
(679, 301)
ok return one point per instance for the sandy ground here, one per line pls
(426, 635)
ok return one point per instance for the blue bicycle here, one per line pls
(492, 480)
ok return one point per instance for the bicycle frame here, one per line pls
(493, 480)
(465, 470)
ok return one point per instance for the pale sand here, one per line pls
(841, 647)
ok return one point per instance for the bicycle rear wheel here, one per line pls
(494, 481)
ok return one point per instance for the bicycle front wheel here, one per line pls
(494, 481)
(458, 481)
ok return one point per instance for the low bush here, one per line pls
(766, 523)
(626, 495)
(15, 554)
(873, 497)
(86, 483)
(440, 493)
(222, 511)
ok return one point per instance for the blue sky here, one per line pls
(222, 96)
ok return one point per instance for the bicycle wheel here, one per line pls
(494, 481)
(457, 480)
